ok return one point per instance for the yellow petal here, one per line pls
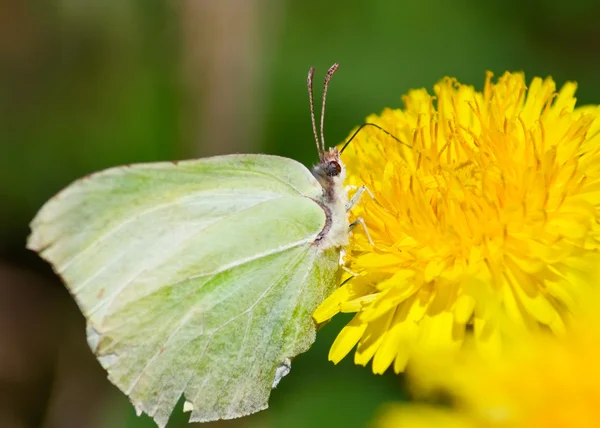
(372, 338)
(347, 339)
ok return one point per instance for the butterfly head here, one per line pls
(329, 167)
(331, 163)
(330, 173)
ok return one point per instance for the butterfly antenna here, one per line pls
(309, 82)
(378, 127)
(330, 72)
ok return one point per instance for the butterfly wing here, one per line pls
(197, 278)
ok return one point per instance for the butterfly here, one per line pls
(199, 278)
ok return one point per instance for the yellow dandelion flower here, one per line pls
(544, 382)
(486, 220)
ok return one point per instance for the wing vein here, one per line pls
(262, 173)
(251, 307)
(303, 286)
(211, 335)
(133, 217)
(221, 269)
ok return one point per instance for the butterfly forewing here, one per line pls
(197, 278)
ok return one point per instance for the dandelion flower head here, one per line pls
(484, 220)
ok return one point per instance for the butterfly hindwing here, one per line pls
(196, 279)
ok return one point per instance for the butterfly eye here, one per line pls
(333, 169)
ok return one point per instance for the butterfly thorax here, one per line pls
(330, 173)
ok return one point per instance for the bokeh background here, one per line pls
(88, 85)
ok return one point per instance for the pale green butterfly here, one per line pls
(199, 278)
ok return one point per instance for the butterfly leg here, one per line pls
(343, 264)
(356, 198)
(349, 271)
(362, 223)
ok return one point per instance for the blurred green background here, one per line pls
(88, 85)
